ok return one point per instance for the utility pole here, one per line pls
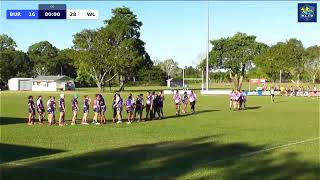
(207, 65)
(280, 75)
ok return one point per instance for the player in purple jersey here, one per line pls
(192, 100)
(62, 109)
(154, 107)
(156, 103)
(139, 103)
(103, 109)
(114, 116)
(149, 103)
(129, 108)
(185, 101)
(40, 109)
(240, 99)
(31, 110)
(50, 110)
(231, 99)
(244, 99)
(96, 109)
(237, 100)
(53, 105)
(118, 106)
(86, 105)
(75, 109)
(177, 101)
(161, 100)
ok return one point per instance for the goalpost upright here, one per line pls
(207, 63)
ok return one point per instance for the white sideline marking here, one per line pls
(278, 147)
(212, 162)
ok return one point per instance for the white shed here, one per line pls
(20, 84)
(52, 83)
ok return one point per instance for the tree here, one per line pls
(152, 75)
(128, 52)
(191, 72)
(296, 58)
(65, 64)
(44, 57)
(170, 67)
(286, 56)
(273, 60)
(7, 43)
(235, 54)
(312, 65)
(114, 49)
(91, 58)
(14, 64)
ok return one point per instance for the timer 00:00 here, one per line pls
(52, 14)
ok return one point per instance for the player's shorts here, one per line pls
(114, 111)
(129, 110)
(138, 109)
(119, 109)
(85, 110)
(50, 111)
(32, 111)
(177, 103)
(40, 111)
(103, 109)
(74, 109)
(96, 110)
(184, 102)
(272, 95)
(61, 110)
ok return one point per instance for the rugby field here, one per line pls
(265, 141)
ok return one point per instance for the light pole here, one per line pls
(183, 77)
(207, 65)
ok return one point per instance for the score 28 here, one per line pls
(73, 14)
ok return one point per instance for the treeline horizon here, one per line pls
(114, 55)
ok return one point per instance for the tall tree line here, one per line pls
(241, 55)
(114, 54)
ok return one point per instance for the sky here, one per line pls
(171, 29)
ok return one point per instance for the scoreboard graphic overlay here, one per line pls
(52, 11)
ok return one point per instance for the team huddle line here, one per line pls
(133, 106)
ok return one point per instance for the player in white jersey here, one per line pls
(192, 100)
(177, 101)
(272, 94)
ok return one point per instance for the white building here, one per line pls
(20, 84)
(52, 83)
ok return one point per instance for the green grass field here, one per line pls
(265, 141)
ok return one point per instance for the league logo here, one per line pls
(307, 12)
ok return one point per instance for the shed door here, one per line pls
(25, 85)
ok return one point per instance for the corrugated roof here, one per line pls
(50, 78)
(22, 78)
